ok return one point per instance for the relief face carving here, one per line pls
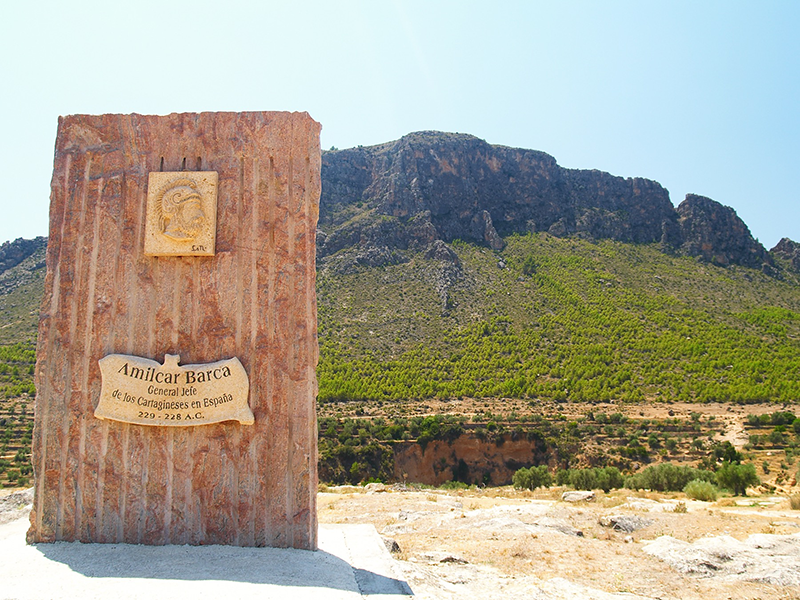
(181, 214)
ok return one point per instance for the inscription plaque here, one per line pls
(139, 390)
(181, 213)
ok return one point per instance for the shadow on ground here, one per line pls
(284, 567)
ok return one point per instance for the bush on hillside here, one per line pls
(598, 478)
(697, 489)
(737, 477)
(530, 479)
(666, 477)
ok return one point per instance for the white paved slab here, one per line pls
(352, 563)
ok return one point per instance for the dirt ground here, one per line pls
(503, 543)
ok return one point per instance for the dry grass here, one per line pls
(478, 526)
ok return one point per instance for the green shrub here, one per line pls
(597, 478)
(782, 418)
(530, 479)
(737, 477)
(666, 477)
(454, 485)
(697, 489)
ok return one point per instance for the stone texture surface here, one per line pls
(789, 251)
(578, 496)
(716, 234)
(626, 523)
(105, 481)
(465, 458)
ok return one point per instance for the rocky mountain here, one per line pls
(380, 200)
(22, 271)
(716, 234)
(13, 253)
(789, 251)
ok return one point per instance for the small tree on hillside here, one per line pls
(530, 479)
(737, 477)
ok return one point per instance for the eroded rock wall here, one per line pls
(468, 459)
(443, 186)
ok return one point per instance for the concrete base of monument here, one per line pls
(352, 563)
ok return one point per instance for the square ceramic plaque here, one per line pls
(181, 214)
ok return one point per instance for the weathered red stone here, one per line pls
(106, 481)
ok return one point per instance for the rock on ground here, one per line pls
(626, 523)
(762, 558)
(15, 505)
(578, 496)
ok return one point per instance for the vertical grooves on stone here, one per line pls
(100, 510)
(197, 464)
(114, 437)
(166, 531)
(259, 326)
(290, 473)
(115, 340)
(243, 535)
(141, 521)
(101, 484)
(273, 391)
(87, 341)
(123, 502)
(135, 340)
(71, 393)
(44, 529)
(257, 495)
(239, 440)
(241, 250)
(178, 530)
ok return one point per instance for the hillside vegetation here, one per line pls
(518, 332)
(559, 319)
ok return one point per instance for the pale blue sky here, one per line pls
(703, 97)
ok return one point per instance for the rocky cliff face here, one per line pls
(467, 459)
(448, 186)
(13, 253)
(789, 251)
(431, 186)
(716, 234)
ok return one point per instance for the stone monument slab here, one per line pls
(143, 266)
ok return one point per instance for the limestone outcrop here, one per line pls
(430, 185)
(789, 251)
(716, 234)
(13, 253)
